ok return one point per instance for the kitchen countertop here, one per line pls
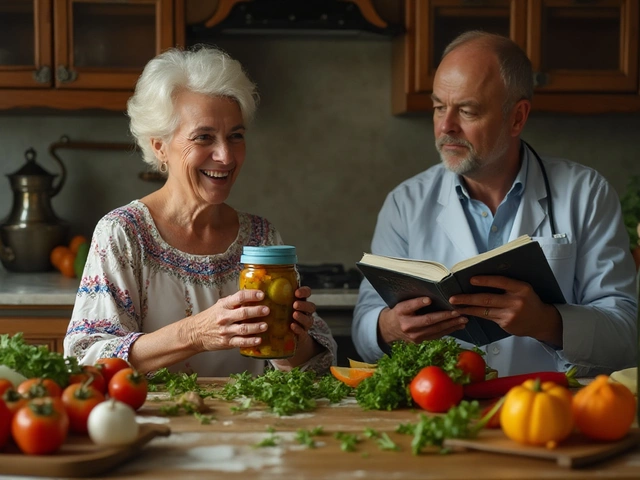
(51, 288)
(226, 448)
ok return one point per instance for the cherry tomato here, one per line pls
(129, 387)
(39, 387)
(13, 400)
(473, 364)
(110, 366)
(5, 385)
(434, 390)
(90, 372)
(5, 423)
(40, 427)
(79, 399)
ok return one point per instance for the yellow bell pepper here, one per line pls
(537, 413)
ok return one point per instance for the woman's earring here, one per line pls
(163, 167)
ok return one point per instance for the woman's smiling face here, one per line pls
(207, 149)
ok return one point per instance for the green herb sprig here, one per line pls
(458, 422)
(284, 393)
(35, 361)
(387, 388)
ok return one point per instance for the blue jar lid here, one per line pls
(269, 255)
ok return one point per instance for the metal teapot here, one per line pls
(32, 229)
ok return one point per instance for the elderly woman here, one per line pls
(160, 286)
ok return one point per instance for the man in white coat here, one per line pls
(490, 189)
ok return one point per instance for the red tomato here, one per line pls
(110, 366)
(79, 399)
(90, 372)
(13, 400)
(434, 390)
(5, 423)
(5, 385)
(473, 364)
(40, 427)
(129, 387)
(39, 387)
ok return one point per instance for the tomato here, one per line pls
(110, 366)
(5, 423)
(130, 387)
(473, 364)
(39, 387)
(434, 390)
(79, 399)
(40, 427)
(5, 385)
(90, 372)
(13, 400)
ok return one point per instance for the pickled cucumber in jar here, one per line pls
(272, 269)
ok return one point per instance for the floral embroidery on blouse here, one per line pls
(134, 282)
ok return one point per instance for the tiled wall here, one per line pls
(322, 154)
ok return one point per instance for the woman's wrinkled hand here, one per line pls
(232, 322)
(307, 347)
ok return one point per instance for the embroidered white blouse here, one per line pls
(134, 282)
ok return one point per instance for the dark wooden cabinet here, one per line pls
(584, 52)
(40, 325)
(75, 54)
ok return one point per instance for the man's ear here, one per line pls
(519, 116)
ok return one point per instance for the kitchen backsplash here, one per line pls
(322, 154)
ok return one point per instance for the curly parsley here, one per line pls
(388, 388)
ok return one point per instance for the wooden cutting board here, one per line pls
(78, 456)
(577, 451)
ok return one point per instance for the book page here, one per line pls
(433, 271)
(513, 244)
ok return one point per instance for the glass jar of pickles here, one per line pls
(272, 269)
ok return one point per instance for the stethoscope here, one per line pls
(552, 220)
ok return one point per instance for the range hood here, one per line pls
(329, 17)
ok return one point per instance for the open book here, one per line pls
(400, 279)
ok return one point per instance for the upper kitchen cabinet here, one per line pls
(584, 52)
(77, 54)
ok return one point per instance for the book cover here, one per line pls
(526, 263)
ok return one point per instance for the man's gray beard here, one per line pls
(467, 165)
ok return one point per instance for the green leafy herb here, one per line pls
(271, 441)
(203, 419)
(432, 431)
(35, 361)
(177, 383)
(171, 410)
(284, 392)
(243, 407)
(305, 436)
(387, 388)
(385, 443)
(371, 433)
(348, 441)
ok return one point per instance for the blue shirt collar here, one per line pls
(516, 188)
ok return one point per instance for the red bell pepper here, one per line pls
(498, 387)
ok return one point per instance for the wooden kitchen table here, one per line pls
(226, 449)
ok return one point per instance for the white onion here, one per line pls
(112, 424)
(11, 375)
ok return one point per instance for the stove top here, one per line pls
(329, 275)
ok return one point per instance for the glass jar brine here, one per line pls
(272, 269)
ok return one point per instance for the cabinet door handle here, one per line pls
(540, 79)
(43, 74)
(65, 75)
